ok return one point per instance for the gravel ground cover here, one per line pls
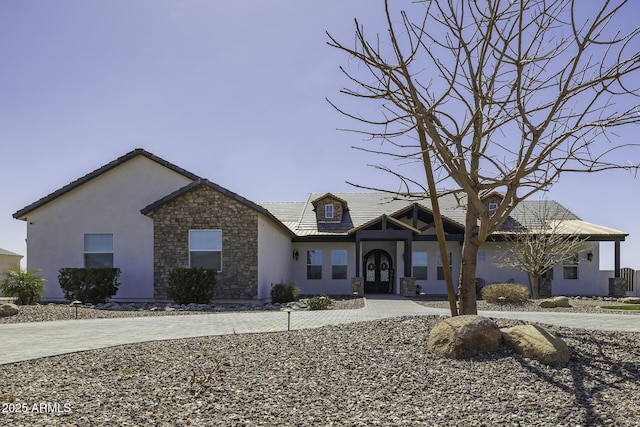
(55, 311)
(578, 305)
(376, 373)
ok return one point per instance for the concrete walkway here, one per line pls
(25, 341)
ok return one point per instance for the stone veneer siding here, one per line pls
(337, 209)
(204, 208)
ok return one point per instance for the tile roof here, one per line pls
(366, 207)
(205, 182)
(363, 208)
(6, 252)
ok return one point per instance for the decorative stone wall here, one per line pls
(205, 208)
(357, 286)
(617, 286)
(408, 286)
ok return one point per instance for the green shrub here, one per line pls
(92, 285)
(192, 285)
(319, 302)
(283, 293)
(23, 285)
(505, 293)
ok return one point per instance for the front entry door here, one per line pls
(378, 272)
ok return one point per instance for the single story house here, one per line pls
(145, 215)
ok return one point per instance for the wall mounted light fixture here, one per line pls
(296, 254)
(589, 256)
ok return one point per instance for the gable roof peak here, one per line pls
(344, 203)
(96, 173)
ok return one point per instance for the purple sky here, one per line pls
(233, 91)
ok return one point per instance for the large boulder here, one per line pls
(561, 301)
(631, 300)
(534, 342)
(464, 336)
(554, 302)
(547, 303)
(7, 309)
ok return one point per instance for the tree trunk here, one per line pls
(535, 294)
(467, 284)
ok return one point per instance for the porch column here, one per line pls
(408, 259)
(357, 255)
(616, 263)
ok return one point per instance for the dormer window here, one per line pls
(493, 207)
(329, 208)
(328, 211)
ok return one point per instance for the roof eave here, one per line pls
(22, 213)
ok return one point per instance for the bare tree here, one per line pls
(542, 239)
(499, 96)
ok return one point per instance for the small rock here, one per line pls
(464, 336)
(8, 309)
(534, 342)
(631, 300)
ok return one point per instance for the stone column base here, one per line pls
(357, 286)
(408, 286)
(617, 287)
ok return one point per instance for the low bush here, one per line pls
(283, 293)
(192, 285)
(91, 285)
(23, 285)
(319, 302)
(505, 293)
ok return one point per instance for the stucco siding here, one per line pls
(274, 256)
(433, 286)
(325, 285)
(110, 203)
(589, 282)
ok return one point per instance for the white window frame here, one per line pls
(343, 271)
(212, 249)
(439, 266)
(329, 211)
(314, 267)
(570, 264)
(102, 251)
(493, 207)
(425, 265)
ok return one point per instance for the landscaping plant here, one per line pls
(283, 293)
(505, 293)
(319, 302)
(23, 285)
(91, 285)
(192, 285)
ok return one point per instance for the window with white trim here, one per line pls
(440, 267)
(339, 264)
(493, 207)
(328, 211)
(205, 249)
(98, 250)
(570, 267)
(419, 265)
(314, 265)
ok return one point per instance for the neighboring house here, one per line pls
(8, 259)
(146, 216)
